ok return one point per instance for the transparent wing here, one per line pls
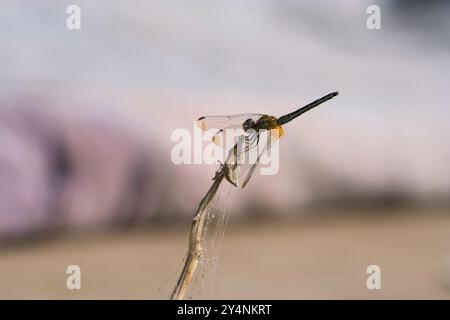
(222, 122)
(228, 127)
(247, 162)
(248, 170)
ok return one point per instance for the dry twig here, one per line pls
(195, 249)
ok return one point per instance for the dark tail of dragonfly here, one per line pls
(291, 116)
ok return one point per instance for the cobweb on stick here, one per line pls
(218, 213)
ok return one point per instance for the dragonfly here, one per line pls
(252, 125)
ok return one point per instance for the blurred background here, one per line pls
(86, 118)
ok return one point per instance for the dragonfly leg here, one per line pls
(226, 171)
(229, 175)
(219, 171)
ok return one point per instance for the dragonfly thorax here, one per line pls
(266, 122)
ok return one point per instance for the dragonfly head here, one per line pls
(248, 124)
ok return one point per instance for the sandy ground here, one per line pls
(289, 259)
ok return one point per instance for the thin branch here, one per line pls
(195, 249)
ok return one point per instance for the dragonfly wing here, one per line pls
(237, 156)
(249, 171)
(272, 136)
(249, 174)
(229, 128)
(221, 122)
(227, 137)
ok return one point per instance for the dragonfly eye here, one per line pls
(248, 124)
